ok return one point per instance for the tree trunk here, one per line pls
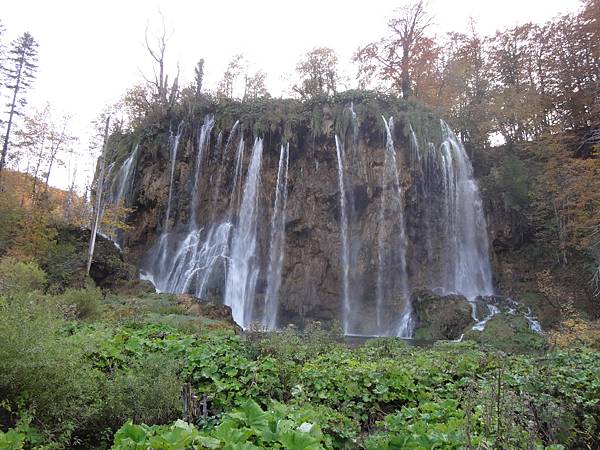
(98, 209)
(406, 92)
(10, 117)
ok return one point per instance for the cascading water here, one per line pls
(468, 240)
(345, 260)
(173, 144)
(429, 233)
(188, 260)
(276, 248)
(203, 142)
(237, 178)
(456, 242)
(392, 278)
(124, 179)
(222, 166)
(243, 268)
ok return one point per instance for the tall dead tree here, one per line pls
(156, 45)
(97, 215)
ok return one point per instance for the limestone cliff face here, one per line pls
(312, 281)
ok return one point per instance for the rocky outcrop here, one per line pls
(66, 263)
(440, 317)
(510, 333)
(194, 306)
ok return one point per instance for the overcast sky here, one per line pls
(91, 52)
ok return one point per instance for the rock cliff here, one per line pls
(386, 171)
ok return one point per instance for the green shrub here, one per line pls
(247, 427)
(148, 391)
(18, 278)
(86, 302)
(42, 367)
(65, 266)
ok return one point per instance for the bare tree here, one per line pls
(390, 57)
(97, 216)
(156, 45)
(60, 141)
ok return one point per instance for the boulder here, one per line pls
(510, 333)
(67, 261)
(440, 317)
(213, 311)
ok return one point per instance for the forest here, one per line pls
(247, 270)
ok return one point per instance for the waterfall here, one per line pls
(203, 142)
(453, 223)
(470, 274)
(222, 167)
(237, 178)
(124, 179)
(276, 248)
(243, 267)
(392, 278)
(191, 260)
(346, 311)
(392, 240)
(173, 144)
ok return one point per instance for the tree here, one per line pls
(199, 77)
(318, 73)
(465, 88)
(32, 139)
(98, 208)
(156, 46)
(60, 141)
(19, 74)
(2, 50)
(390, 57)
(235, 68)
(255, 86)
(43, 140)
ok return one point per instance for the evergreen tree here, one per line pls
(199, 76)
(19, 72)
(2, 56)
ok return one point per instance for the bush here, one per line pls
(147, 392)
(10, 215)
(87, 302)
(18, 278)
(42, 369)
(65, 266)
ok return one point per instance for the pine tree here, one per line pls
(199, 76)
(19, 72)
(2, 55)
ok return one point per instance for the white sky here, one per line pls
(91, 52)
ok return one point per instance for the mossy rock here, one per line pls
(440, 317)
(509, 333)
(67, 262)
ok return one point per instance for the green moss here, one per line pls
(508, 333)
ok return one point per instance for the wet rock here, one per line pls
(198, 307)
(440, 316)
(509, 333)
